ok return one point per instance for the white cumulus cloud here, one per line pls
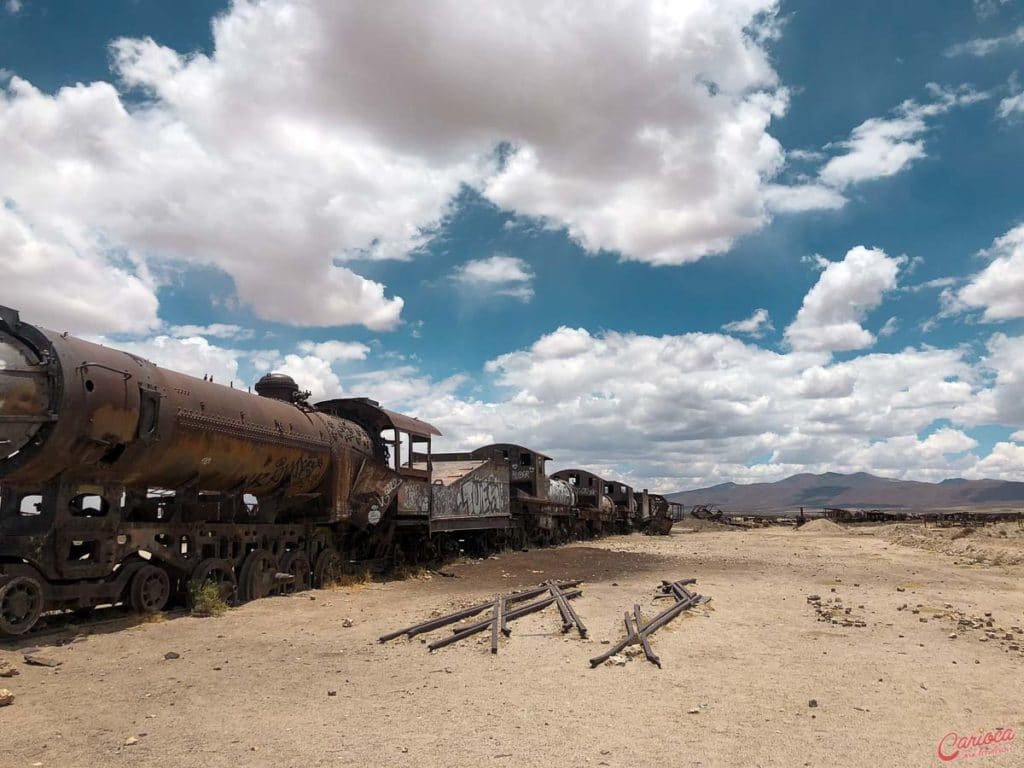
(883, 146)
(833, 310)
(497, 275)
(985, 46)
(302, 143)
(998, 289)
(754, 326)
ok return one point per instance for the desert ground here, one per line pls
(302, 681)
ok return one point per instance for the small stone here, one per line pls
(813, 598)
(332, 693)
(923, 620)
(900, 589)
(346, 623)
(172, 655)
(41, 661)
(616, 661)
(833, 589)
(6, 697)
(693, 711)
(812, 703)
(7, 670)
(952, 635)
(131, 741)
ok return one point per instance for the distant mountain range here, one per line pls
(858, 491)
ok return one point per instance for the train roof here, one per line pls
(515, 446)
(581, 472)
(368, 412)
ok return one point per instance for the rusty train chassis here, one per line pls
(150, 565)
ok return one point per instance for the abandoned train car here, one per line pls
(125, 482)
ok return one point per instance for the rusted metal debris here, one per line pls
(638, 633)
(558, 593)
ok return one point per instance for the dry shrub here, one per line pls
(206, 599)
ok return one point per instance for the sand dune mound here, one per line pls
(821, 526)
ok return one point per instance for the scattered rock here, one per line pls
(812, 703)
(6, 697)
(172, 655)
(332, 693)
(616, 661)
(131, 741)
(952, 635)
(606, 642)
(6, 670)
(693, 711)
(41, 661)
(346, 623)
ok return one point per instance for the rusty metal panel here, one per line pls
(482, 493)
(560, 492)
(414, 498)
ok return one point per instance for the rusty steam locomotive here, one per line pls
(123, 482)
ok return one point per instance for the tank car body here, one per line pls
(594, 506)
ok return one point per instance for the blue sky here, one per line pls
(548, 226)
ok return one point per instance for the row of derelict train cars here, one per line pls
(124, 482)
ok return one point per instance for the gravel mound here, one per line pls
(821, 526)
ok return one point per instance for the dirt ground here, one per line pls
(253, 687)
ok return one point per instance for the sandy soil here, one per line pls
(252, 688)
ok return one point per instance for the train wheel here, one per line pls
(258, 577)
(21, 602)
(327, 568)
(219, 572)
(149, 590)
(296, 564)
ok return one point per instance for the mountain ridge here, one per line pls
(858, 490)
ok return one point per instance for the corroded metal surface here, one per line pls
(124, 482)
(483, 492)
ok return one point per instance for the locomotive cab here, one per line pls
(399, 441)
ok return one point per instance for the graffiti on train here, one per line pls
(485, 494)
